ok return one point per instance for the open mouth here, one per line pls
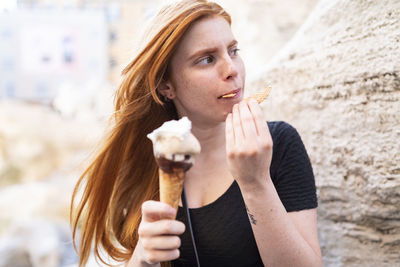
(232, 94)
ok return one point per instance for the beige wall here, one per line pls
(338, 83)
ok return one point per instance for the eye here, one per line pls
(234, 51)
(205, 60)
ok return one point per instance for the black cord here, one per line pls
(185, 207)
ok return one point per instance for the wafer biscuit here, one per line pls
(260, 96)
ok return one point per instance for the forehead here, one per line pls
(205, 33)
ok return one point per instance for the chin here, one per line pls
(223, 117)
(217, 118)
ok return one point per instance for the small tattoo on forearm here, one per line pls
(251, 216)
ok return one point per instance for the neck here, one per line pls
(209, 177)
(211, 137)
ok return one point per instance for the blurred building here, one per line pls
(45, 44)
(39, 50)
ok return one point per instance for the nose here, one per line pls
(229, 68)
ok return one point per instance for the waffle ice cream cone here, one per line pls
(260, 96)
(174, 149)
(171, 186)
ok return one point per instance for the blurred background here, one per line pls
(60, 64)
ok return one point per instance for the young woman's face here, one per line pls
(205, 67)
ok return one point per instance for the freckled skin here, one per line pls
(198, 82)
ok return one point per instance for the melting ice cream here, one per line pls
(174, 145)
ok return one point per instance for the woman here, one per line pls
(250, 205)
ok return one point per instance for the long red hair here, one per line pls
(124, 173)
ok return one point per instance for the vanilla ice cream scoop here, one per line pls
(174, 145)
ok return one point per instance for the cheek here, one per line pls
(185, 88)
(194, 83)
(242, 70)
(180, 82)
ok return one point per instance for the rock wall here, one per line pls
(338, 82)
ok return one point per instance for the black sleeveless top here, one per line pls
(222, 230)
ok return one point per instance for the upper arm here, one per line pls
(305, 222)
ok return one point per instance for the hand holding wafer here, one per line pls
(248, 141)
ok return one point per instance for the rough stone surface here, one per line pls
(338, 82)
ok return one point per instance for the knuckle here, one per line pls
(146, 256)
(176, 253)
(266, 145)
(140, 230)
(145, 243)
(252, 153)
(143, 229)
(241, 154)
(151, 258)
(182, 228)
(167, 226)
(145, 206)
(177, 242)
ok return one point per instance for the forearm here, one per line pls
(278, 241)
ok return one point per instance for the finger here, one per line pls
(237, 125)
(162, 242)
(156, 210)
(229, 133)
(157, 256)
(161, 227)
(259, 120)
(247, 120)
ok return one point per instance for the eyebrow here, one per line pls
(210, 50)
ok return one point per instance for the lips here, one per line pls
(231, 94)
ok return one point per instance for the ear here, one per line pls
(167, 90)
